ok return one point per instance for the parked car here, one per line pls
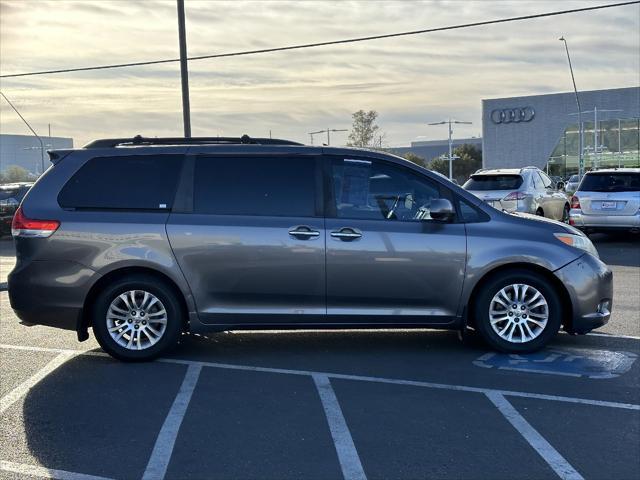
(607, 200)
(11, 195)
(526, 190)
(142, 239)
(572, 184)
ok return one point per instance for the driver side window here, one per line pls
(376, 190)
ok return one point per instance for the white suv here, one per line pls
(607, 199)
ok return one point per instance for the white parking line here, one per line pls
(606, 335)
(14, 395)
(345, 448)
(411, 383)
(37, 471)
(163, 448)
(537, 441)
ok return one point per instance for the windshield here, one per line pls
(493, 182)
(611, 182)
(573, 178)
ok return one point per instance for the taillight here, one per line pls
(515, 196)
(22, 226)
(575, 203)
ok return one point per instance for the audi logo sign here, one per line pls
(512, 115)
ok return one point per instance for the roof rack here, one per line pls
(139, 140)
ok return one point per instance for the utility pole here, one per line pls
(451, 157)
(184, 72)
(32, 131)
(580, 127)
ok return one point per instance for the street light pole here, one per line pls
(184, 72)
(32, 131)
(451, 157)
(575, 89)
(327, 131)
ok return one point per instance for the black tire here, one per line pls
(494, 285)
(154, 286)
(540, 212)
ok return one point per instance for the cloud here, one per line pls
(409, 80)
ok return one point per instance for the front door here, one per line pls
(253, 246)
(385, 255)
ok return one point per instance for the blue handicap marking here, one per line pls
(573, 362)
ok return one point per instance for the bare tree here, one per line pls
(364, 130)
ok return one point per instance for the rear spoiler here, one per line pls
(56, 155)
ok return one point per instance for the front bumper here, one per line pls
(590, 285)
(50, 293)
(579, 219)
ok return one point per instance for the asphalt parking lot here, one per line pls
(368, 404)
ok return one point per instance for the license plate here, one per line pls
(609, 205)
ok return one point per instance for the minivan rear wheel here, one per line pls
(518, 312)
(137, 318)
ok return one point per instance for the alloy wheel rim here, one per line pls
(518, 313)
(136, 320)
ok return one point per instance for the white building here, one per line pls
(26, 152)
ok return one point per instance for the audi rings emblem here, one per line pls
(512, 115)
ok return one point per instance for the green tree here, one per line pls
(412, 157)
(15, 173)
(364, 131)
(470, 160)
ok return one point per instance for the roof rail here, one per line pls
(529, 166)
(139, 140)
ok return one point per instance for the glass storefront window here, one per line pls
(618, 146)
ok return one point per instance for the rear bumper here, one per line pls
(590, 285)
(50, 293)
(579, 219)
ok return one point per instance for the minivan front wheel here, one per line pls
(137, 318)
(518, 312)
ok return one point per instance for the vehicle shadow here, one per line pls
(621, 249)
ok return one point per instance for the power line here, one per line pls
(323, 44)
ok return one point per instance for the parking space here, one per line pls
(321, 405)
(408, 404)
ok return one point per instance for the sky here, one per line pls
(409, 81)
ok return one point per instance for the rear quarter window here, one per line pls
(136, 182)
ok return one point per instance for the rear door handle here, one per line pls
(303, 232)
(346, 234)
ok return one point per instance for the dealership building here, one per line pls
(27, 152)
(543, 130)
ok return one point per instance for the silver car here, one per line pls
(572, 184)
(525, 190)
(143, 239)
(607, 199)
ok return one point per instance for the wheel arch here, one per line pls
(565, 299)
(85, 318)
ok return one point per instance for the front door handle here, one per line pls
(346, 234)
(303, 232)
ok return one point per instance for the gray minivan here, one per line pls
(143, 239)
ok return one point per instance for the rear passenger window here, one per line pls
(260, 186)
(140, 182)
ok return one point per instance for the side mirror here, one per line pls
(560, 185)
(441, 209)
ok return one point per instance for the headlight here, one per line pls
(577, 241)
